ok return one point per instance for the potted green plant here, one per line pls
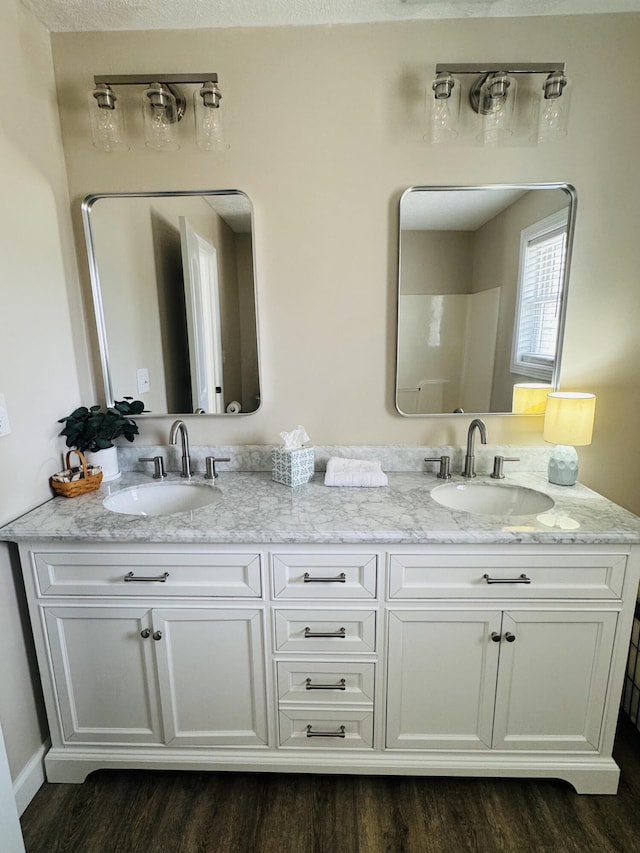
(93, 430)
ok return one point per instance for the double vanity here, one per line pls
(396, 630)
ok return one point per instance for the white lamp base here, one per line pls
(563, 465)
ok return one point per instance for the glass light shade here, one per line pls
(208, 115)
(530, 398)
(569, 418)
(159, 110)
(496, 103)
(445, 109)
(551, 110)
(107, 120)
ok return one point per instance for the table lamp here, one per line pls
(568, 422)
(530, 398)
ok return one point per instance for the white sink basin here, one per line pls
(489, 499)
(160, 498)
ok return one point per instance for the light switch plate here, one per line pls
(143, 380)
(5, 426)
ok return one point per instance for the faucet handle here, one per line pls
(210, 463)
(498, 461)
(445, 466)
(158, 466)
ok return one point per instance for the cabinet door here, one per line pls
(211, 671)
(104, 675)
(441, 678)
(552, 681)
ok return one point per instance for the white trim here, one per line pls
(31, 778)
(10, 831)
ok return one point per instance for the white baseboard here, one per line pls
(30, 778)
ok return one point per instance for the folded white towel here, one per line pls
(354, 473)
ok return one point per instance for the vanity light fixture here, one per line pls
(208, 117)
(163, 107)
(553, 108)
(107, 120)
(568, 422)
(492, 96)
(445, 111)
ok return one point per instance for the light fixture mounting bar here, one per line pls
(492, 68)
(146, 79)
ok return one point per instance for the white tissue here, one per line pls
(294, 439)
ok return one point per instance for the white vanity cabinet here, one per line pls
(174, 670)
(517, 680)
(429, 659)
(325, 647)
(129, 674)
(508, 652)
(103, 673)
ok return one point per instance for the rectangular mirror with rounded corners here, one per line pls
(174, 293)
(482, 294)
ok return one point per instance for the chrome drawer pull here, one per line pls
(131, 578)
(341, 633)
(342, 685)
(522, 579)
(341, 578)
(339, 733)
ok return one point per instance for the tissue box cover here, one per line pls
(292, 467)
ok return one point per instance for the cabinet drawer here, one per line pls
(326, 729)
(319, 683)
(330, 631)
(320, 576)
(136, 574)
(506, 576)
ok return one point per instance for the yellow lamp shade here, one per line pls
(530, 398)
(569, 418)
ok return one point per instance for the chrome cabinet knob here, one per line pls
(509, 637)
(157, 635)
(495, 637)
(145, 633)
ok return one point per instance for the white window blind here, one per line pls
(542, 262)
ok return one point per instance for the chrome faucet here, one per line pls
(470, 459)
(180, 427)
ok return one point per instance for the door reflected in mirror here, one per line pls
(482, 292)
(173, 279)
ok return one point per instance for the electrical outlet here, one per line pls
(5, 426)
(143, 380)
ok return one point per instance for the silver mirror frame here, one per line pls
(96, 287)
(573, 201)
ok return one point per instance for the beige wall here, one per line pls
(436, 262)
(325, 126)
(38, 361)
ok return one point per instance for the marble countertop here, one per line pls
(251, 508)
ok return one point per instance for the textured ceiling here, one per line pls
(102, 15)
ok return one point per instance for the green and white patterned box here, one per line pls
(292, 467)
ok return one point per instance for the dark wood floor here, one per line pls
(176, 812)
